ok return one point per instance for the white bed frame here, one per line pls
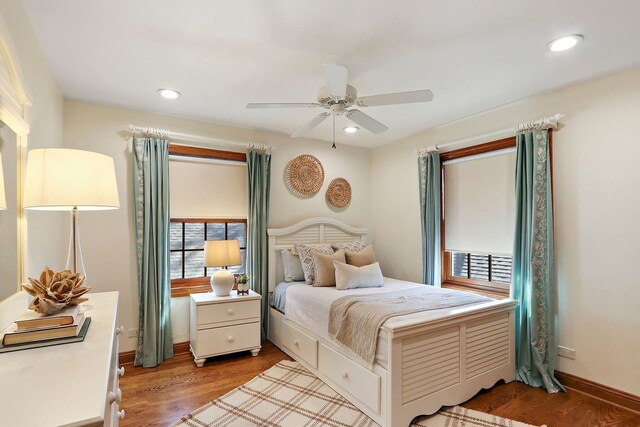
(440, 362)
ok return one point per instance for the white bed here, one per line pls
(423, 360)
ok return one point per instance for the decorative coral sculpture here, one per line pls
(54, 291)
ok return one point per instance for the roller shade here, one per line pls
(207, 189)
(479, 204)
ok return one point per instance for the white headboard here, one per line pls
(310, 231)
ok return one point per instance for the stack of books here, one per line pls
(32, 329)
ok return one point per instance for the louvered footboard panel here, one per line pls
(430, 362)
(487, 344)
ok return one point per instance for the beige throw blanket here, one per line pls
(354, 321)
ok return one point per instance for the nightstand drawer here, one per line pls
(228, 339)
(228, 312)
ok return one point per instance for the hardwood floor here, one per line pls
(160, 396)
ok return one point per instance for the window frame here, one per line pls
(194, 285)
(497, 290)
(493, 289)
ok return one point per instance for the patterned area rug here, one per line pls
(289, 395)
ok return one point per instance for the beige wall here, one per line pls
(107, 236)
(597, 207)
(45, 230)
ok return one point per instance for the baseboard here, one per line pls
(127, 357)
(600, 391)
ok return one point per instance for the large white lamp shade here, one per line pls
(3, 200)
(222, 253)
(64, 179)
(61, 179)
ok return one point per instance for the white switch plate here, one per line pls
(567, 352)
(132, 333)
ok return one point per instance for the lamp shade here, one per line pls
(61, 179)
(3, 200)
(221, 253)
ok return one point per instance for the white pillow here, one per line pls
(292, 266)
(350, 276)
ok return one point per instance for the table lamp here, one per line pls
(60, 179)
(222, 253)
(3, 200)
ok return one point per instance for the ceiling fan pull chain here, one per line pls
(334, 131)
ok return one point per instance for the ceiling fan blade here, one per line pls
(313, 123)
(281, 105)
(336, 76)
(367, 122)
(395, 98)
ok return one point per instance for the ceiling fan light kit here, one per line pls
(338, 96)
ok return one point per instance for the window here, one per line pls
(187, 237)
(466, 268)
(478, 210)
(201, 212)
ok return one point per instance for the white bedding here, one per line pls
(309, 307)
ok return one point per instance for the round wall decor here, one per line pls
(339, 193)
(305, 175)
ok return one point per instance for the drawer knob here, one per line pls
(120, 414)
(230, 338)
(230, 311)
(296, 343)
(120, 330)
(115, 396)
(345, 375)
(121, 371)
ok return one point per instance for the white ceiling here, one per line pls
(474, 55)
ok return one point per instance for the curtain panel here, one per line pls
(151, 192)
(429, 181)
(533, 272)
(259, 186)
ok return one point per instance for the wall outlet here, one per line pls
(569, 353)
(132, 333)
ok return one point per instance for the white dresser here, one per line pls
(67, 385)
(221, 325)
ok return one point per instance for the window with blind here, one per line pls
(208, 202)
(187, 237)
(479, 212)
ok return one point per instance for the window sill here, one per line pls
(480, 290)
(197, 285)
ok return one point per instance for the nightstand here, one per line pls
(221, 325)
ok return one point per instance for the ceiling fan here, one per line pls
(337, 96)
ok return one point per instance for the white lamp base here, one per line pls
(222, 282)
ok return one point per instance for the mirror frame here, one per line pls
(14, 101)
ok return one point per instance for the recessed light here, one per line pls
(169, 93)
(564, 43)
(351, 129)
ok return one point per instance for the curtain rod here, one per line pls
(551, 122)
(165, 133)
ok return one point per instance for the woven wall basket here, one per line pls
(305, 175)
(339, 193)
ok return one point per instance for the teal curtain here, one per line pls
(533, 278)
(429, 179)
(151, 192)
(259, 185)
